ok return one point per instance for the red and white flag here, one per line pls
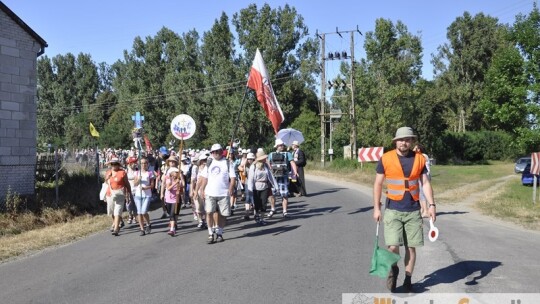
(147, 143)
(260, 82)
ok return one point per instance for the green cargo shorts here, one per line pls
(403, 228)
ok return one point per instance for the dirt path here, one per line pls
(467, 195)
(464, 199)
(467, 199)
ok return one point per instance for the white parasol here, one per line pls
(289, 135)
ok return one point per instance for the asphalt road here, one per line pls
(322, 251)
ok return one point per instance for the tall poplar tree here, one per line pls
(461, 66)
(385, 82)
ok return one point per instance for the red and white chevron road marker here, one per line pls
(371, 154)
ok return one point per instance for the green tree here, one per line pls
(385, 82)
(147, 82)
(290, 57)
(428, 118)
(526, 35)
(225, 84)
(461, 64)
(304, 123)
(67, 88)
(50, 117)
(504, 102)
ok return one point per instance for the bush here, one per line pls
(14, 202)
(340, 164)
(77, 191)
(473, 147)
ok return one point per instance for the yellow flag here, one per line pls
(93, 131)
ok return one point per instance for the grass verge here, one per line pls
(446, 178)
(19, 244)
(513, 202)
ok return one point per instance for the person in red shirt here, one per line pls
(119, 188)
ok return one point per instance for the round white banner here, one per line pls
(183, 126)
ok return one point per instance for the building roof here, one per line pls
(25, 27)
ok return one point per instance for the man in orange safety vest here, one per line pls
(402, 169)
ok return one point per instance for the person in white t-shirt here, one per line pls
(217, 183)
(143, 184)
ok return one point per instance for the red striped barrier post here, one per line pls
(535, 170)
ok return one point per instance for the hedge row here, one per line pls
(474, 147)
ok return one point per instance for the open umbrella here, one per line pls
(289, 135)
(382, 259)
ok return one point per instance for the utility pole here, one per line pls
(323, 99)
(352, 108)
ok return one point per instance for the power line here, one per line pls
(161, 98)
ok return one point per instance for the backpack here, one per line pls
(280, 166)
(209, 162)
(187, 177)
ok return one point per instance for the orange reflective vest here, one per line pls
(396, 182)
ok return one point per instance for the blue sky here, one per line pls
(104, 28)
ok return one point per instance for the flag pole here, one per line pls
(235, 125)
(180, 152)
(97, 164)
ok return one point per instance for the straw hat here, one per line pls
(295, 143)
(261, 156)
(251, 156)
(172, 158)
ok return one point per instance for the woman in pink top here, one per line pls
(173, 184)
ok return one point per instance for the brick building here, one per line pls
(19, 48)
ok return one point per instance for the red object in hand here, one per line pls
(433, 231)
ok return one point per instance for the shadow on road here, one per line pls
(330, 190)
(473, 271)
(301, 212)
(274, 230)
(360, 210)
(451, 213)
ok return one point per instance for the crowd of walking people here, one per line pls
(209, 182)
